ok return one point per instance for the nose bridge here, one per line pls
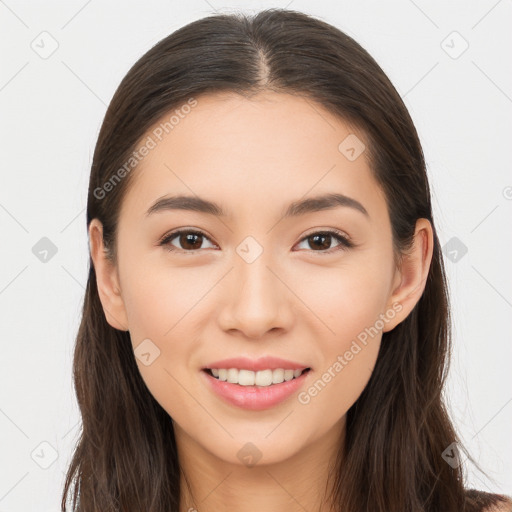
(258, 300)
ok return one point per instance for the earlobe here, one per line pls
(107, 279)
(412, 276)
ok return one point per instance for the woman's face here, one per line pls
(255, 282)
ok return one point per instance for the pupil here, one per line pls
(316, 237)
(188, 238)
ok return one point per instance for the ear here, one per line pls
(107, 279)
(410, 279)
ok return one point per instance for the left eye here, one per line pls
(191, 240)
(324, 239)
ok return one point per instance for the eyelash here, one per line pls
(344, 244)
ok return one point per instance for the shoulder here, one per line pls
(481, 501)
(505, 506)
(502, 506)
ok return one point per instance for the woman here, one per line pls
(266, 321)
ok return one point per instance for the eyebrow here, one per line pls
(296, 208)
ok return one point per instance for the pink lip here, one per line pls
(255, 398)
(264, 363)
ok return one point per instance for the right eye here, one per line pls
(188, 238)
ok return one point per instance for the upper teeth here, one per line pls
(259, 378)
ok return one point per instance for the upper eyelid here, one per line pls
(339, 232)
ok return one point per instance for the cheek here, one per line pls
(159, 299)
(165, 305)
(335, 388)
(345, 299)
(349, 301)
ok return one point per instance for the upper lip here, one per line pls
(263, 363)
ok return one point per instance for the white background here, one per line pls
(51, 111)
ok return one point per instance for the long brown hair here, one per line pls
(398, 429)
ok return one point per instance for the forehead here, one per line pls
(245, 153)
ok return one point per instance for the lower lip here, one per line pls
(255, 398)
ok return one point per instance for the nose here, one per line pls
(256, 300)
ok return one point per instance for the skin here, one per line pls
(253, 157)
